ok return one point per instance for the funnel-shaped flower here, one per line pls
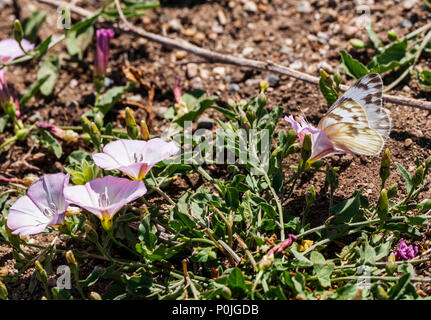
(105, 196)
(102, 51)
(43, 206)
(134, 157)
(406, 252)
(10, 50)
(321, 145)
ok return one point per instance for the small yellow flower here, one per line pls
(305, 244)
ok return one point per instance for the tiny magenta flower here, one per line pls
(134, 157)
(104, 197)
(43, 206)
(282, 245)
(102, 51)
(10, 50)
(321, 145)
(406, 252)
(66, 135)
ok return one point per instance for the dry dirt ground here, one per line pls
(268, 30)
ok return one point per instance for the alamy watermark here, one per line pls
(363, 7)
(64, 20)
(63, 281)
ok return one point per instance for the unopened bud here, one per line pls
(42, 275)
(95, 296)
(357, 43)
(3, 291)
(306, 147)
(264, 84)
(130, 118)
(393, 190)
(18, 32)
(381, 294)
(392, 35)
(310, 196)
(382, 209)
(391, 265)
(385, 165)
(418, 176)
(145, 133)
(70, 257)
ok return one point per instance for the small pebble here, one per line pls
(406, 23)
(323, 37)
(175, 25)
(304, 7)
(73, 83)
(247, 51)
(219, 71)
(233, 88)
(408, 142)
(221, 17)
(200, 36)
(273, 80)
(296, 65)
(227, 78)
(204, 73)
(180, 54)
(250, 6)
(189, 32)
(192, 70)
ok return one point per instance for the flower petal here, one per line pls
(10, 50)
(25, 217)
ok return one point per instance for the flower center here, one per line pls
(138, 157)
(51, 211)
(103, 199)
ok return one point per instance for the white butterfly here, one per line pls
(355, 123)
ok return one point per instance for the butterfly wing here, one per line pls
(367, 93)
(355, 137)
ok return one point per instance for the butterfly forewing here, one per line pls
(367, 92)
(348, 111)
(357, 138)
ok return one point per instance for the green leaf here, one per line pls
(78, 156)
(3, 122)
(47, 139)
(395, 55)
(32, 90)
(353, 67)
(236, 282)
(347, 209)
(112, 96)
(49, 67)
(32, 24)
(43, 47)
(424, 78)
(373, 37)
(397, 290)
(77, 42)
(407, 179)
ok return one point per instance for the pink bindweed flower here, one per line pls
(43, 206)
(406, 252)
(134, 157)
(278, 248)
(321, 145)
(10, 50)
(104, 197)
(66, 135)
(102, 51)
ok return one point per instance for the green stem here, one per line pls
(111, 236)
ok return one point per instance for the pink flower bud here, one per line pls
(4, 91)
(102, 51)
(66, 135)
(178, 93)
